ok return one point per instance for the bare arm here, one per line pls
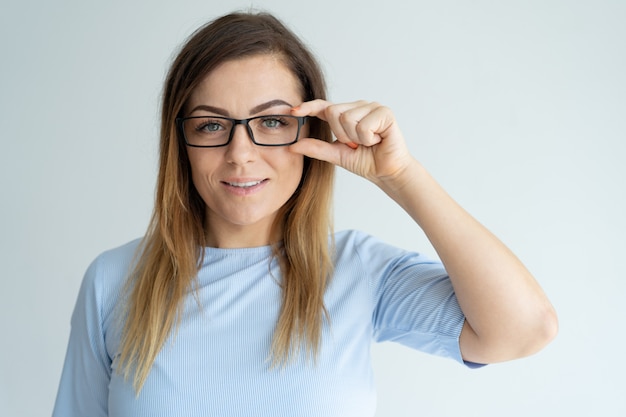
(507, 313)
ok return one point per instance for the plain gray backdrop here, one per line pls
(517, 107)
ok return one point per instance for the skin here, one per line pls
(237, 216)
(507, 314)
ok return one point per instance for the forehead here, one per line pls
(245, 82)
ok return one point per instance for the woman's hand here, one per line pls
(369, 141)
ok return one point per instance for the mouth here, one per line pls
(244, 187)
(246, 184)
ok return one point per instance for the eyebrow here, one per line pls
(256, 109)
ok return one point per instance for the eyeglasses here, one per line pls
(214, 131)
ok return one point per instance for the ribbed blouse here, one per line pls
(216, 362)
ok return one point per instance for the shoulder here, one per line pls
(121, 256)
(353, 239)
(106, 275)
(363, 253)
(378, 260)
(351, 243)
(114, 264)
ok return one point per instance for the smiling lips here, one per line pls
(244, 184)
(244, 187)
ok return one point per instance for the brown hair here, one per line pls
(171, 252)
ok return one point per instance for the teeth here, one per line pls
(244, 184)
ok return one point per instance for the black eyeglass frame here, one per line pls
(246, 122)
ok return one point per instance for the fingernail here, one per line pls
(295, 108)
(352, 145)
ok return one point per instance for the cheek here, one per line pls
(202, 166)
(294, 169)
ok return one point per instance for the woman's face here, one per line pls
(242, 184)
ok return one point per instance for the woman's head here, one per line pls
(232, 37)
(173, 246)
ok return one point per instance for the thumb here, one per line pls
(319, 149)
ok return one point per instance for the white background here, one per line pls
(517, 107)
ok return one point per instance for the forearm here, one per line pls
(507, 313)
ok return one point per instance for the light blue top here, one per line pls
(216, 363)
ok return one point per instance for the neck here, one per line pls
(240, 236)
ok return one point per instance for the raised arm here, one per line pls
(507, 313)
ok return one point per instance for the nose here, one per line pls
(241, 149)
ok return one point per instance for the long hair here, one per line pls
(171, 252)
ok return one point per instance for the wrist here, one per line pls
(408, 175)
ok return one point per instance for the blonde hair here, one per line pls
(172, 250)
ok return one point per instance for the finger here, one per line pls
(343, 119)
(375, 125)
(313, 108)
(318, 149)
(322, 109)
(358, 121)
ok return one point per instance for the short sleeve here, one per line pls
(83, 390)
(414, 302)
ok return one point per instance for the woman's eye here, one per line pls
(273, 123)
(210, 127)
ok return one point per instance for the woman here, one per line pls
(240, 300)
